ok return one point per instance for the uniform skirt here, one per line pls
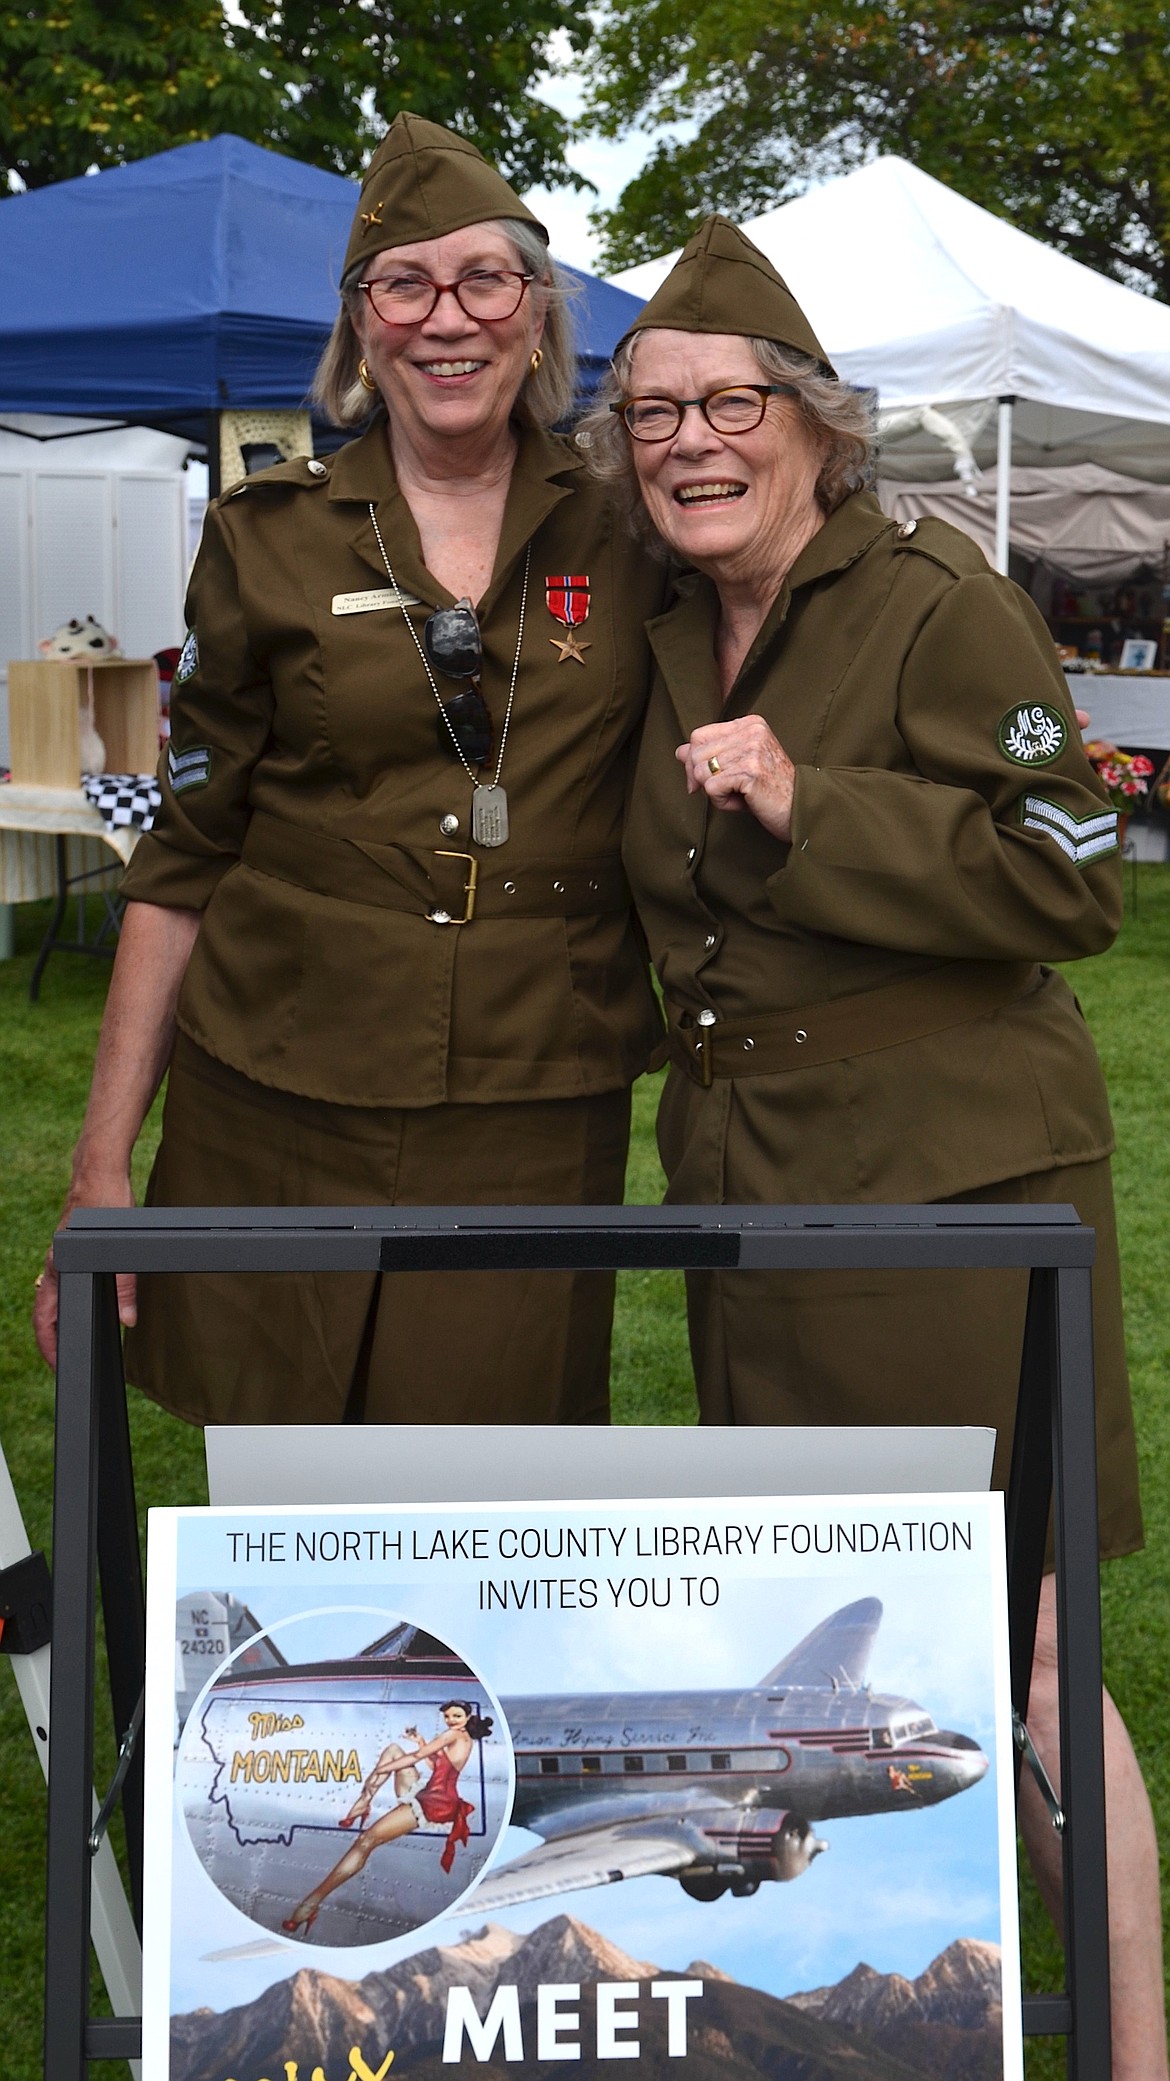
(419, 1347)
(862, 1347)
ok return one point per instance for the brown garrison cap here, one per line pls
(422, 182)
(722, 283)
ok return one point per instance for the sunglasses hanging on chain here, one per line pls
(451, 644)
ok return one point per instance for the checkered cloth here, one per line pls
(123, 798)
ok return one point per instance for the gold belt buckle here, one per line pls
(443, 917)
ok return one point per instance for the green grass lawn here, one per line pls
(45, 1052)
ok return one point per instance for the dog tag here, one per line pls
(489, 815)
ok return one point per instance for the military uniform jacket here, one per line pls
(945, 819)
(311, 812)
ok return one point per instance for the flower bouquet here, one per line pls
(1125, 776)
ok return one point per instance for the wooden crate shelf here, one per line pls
(46, 697)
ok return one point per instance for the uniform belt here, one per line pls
(447, 886)
(813, 1034)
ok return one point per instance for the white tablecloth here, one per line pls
(31, 819)
(1124, 711)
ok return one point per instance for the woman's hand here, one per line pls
(751, 771)
(134, 1047)
(96, 1188)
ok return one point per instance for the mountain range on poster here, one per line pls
(946, 2024)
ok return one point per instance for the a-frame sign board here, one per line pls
(95, 1530)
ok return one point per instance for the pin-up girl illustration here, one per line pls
(438, 1800)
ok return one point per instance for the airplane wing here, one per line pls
(835, 1655)
(594, 1857)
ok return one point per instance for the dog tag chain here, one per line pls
(489, 802)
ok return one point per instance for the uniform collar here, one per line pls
(363, 473)
(845, 536)
(683, 639)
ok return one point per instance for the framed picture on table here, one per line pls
(1138, 654)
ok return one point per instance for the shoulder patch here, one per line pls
(188, 663)
(1032, 736)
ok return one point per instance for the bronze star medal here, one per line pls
(570, 646)
(567, 598)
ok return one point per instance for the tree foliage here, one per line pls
(95, 82)
(1055, 115)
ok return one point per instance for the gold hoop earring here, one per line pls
(364, 377)
(535, 359)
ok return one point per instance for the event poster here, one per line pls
(727, 1783)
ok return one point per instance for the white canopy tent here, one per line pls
(1090, 524)
(923, 297)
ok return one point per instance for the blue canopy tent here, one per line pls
(197, 281)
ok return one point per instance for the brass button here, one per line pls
(448, 825)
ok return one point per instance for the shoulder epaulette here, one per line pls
(301, 474)
(944, 545)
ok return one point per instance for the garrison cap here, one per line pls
(722, 283)
(422, 182)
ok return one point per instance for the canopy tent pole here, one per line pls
(1003, 484)
(214, 467)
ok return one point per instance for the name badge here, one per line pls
(367, 603)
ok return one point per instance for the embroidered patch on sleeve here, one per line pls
(1082, 838)
(188, 663)
(1032, 736)
(188, 769)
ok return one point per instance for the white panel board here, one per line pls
(150, 551)
(318, 1463)
(16, 638)
(72, 550)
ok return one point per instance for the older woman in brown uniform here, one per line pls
(861, 817)
(380, 931)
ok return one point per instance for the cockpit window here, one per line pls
(909, 1730)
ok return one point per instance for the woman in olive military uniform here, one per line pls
(380, 931)
(861, 819)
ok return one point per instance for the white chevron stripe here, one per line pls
(1077, 827)
(1087, 849)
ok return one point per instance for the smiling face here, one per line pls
(455, 1715)
(450, 377)
(739, 506)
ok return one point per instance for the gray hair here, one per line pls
(543, 398)
(839, 418)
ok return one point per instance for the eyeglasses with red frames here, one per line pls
(737, 409)
(487, 294)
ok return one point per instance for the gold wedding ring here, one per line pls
(713, 766)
